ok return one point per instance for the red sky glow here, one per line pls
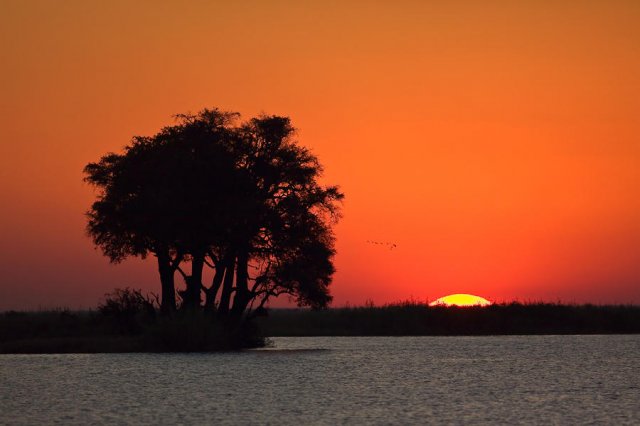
(497, 144)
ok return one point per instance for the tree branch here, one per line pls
(175, 263)
(179, 269)
(214, 258)
(208, 264)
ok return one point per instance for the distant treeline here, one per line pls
(416, 319)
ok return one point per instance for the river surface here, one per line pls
(337, 380)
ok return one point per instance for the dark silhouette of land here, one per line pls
(99, 331)
(241, 198)
(417, 319)
(244, 199)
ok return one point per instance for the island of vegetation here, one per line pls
(210, 191)
(243, 199)
(128, 324)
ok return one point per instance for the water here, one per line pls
(328, 380)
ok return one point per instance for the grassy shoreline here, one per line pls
(415, 319)
(63, 331)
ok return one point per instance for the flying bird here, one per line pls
(387, 244)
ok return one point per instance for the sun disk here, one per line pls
(460, 300)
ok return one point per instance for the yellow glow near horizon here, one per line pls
(496, 143)
(460, 300)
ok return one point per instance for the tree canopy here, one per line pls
(243, 198)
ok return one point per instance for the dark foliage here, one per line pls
(125, 307)
(92, 332)
(64, 331)
(410, 318)
(243, 199)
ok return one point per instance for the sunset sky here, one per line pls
(497, 144)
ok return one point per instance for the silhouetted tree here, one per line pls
(287, 228)
(242, 199)
(160, 197)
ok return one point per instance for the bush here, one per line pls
(197, 332)
(126, 307)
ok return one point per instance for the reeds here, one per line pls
(413, 318)
(63, 331)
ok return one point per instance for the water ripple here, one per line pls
(337, 380)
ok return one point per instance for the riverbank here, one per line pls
(63, 331)
(417, 319)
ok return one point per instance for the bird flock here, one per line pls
(387, 244)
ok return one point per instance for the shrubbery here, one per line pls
(128, 308)
(130, 312)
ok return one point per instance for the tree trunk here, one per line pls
(241, 299)
(227, 287)
(194, 283)
(168, 301)
(212, 292)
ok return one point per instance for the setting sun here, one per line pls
(283, 194)
(460, 300)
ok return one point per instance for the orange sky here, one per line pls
(496, 143)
